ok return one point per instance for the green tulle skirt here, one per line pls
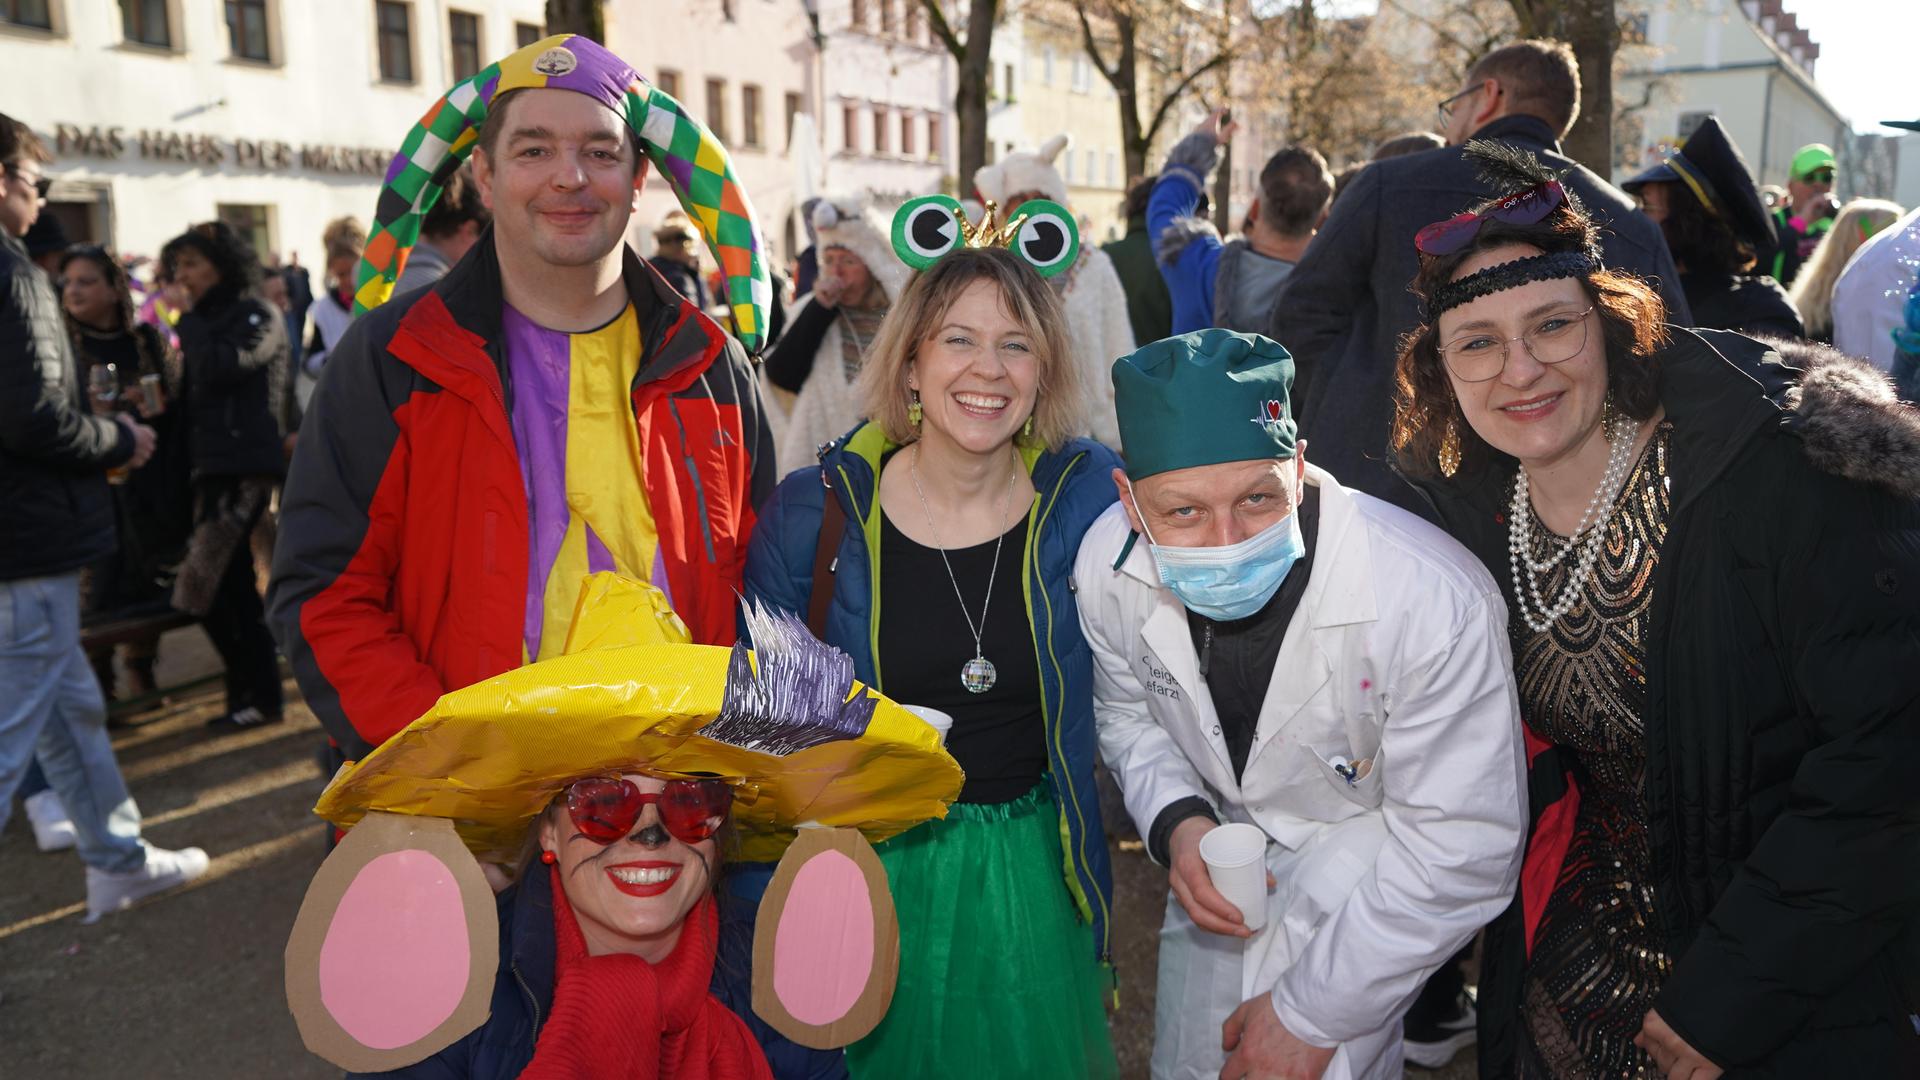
(997, 973)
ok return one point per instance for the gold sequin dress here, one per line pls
(1597, 963)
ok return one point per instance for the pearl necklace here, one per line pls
(1621, 436)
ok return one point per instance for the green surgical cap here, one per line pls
(1204, 398)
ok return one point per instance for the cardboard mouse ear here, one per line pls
(826, 944)
(392, 958)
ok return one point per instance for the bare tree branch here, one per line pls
(1111, 74)
(937, 22)
(1179, 88)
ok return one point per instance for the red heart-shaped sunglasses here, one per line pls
(605, 809)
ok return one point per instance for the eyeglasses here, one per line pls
(1555, 339)
(1446, 107)
(40, 184)
(1819, 176)
(605, 809)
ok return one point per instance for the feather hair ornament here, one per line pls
(1528, 193)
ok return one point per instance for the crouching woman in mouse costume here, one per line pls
(623, 775)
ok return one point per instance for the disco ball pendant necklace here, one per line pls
(977, 674)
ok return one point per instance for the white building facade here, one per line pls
(1747, 62)
(750, 70)
(887, 125)
(274, 115)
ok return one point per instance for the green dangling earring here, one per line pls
(914, 411)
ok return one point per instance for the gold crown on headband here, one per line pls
(986, 233)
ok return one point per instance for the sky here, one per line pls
(1868, 49)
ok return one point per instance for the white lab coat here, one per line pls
(1397, 654)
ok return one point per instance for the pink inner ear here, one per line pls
(823, 948)
(395, 960)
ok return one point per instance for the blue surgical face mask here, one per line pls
(1231, 582)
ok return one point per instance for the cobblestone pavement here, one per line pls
(189, 985)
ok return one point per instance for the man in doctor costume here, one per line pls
(1274, 649)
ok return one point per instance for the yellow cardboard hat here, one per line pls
(804, 742)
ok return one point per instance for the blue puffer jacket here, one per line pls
(523, 994)
(1074, 485)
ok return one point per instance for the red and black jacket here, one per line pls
(401, 570)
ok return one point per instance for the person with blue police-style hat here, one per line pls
(1274, 649)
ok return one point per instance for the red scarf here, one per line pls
(620, 1018)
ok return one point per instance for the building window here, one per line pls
(916, 22)
(670, 83)
(935, 147)
(717, 109)
(1113, 169)
(793, 111)
(463, 31)
(247, 30)
(32, 13)
(886, 18)
(526, 33)
(251, 221)
(1007, 83)
(750, 116)
(858, 18)
(880, 131)
(850, 129)
(1080, 72)
(906, 134)
(144, 22)
(1046, 67)
(393, 21)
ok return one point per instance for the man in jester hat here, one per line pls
(1326, 674)
(549, 408)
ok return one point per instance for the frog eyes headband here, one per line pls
(932, 226)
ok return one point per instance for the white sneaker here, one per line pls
(52, 829)
(109, 892)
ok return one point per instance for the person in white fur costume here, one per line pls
(821, 352)
(1096, 304)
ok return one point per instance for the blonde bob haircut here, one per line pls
(1059, 405)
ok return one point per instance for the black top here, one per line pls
(237, 370)
(155, 502)
(55, 513)
(791, 359)
(1236, 660)
(999, 737)
(1743, 303)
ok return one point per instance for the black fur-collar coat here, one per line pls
(1783, 718)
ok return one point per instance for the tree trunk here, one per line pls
(582, 17)
(1133, 141)
(975, 73)
(1593, 30)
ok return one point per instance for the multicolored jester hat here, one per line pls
(686, 153)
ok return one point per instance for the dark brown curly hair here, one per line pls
(1632, 318)
(1701, 240)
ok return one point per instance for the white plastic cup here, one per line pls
(937, 720)
(1235, 855)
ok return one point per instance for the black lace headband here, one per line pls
(1511, 275)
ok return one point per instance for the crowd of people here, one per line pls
(1587, 635)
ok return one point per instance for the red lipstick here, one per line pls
(650, 888)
